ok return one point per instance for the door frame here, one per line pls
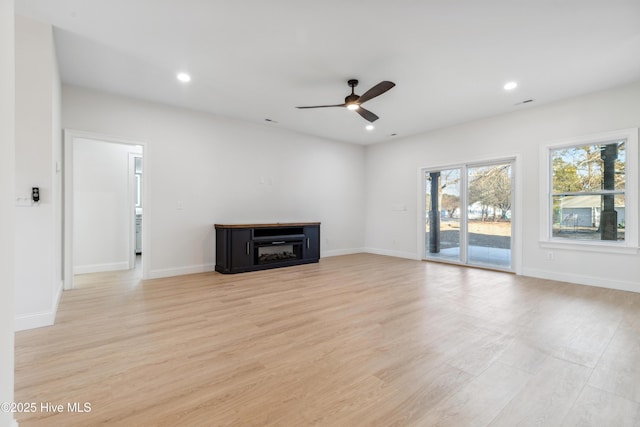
(516, 226)
(70, 136)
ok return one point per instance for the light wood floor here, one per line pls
(355, 340)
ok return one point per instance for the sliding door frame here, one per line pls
(516, 226)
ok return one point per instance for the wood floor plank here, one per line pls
(415, 390)
(352, 340)
(480, 400)
(598, 408)
(547, 397)
(618, 370)
(519, 354)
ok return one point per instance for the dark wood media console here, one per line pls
(251, 247)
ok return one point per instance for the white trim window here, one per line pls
(591, 196)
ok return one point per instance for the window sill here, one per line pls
(612, 248)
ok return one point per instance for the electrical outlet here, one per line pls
(550, 256)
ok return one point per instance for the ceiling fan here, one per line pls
(353, 101)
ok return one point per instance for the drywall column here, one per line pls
(7, 169)
(38, 151)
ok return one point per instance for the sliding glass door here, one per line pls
(443, 214)
(468, 214)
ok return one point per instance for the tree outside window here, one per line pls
(588, 196)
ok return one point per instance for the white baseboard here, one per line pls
(56, 299)
(397, 254)
(180, 271)
(100, 268)
(40, 319)
(32, 321)
(579, 279)
(338, 252)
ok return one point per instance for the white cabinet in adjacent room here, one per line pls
(138, 234)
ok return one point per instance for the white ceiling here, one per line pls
(255, 59)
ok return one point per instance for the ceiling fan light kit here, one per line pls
(354, 102)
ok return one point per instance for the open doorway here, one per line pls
(104, 198)
(135, 196)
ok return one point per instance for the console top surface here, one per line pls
(277, 224)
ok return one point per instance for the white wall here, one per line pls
(38, 150)
(7, 210)
(102, 206)
(392, 179)
(226, 171)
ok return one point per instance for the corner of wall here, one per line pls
(44, 318)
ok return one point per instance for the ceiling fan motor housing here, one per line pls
(351, 99)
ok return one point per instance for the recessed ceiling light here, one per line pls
(510, 86)
(184, 77)
(370, 127)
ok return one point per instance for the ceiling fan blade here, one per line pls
(367, 115)
(378, 89)
(324, 106)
